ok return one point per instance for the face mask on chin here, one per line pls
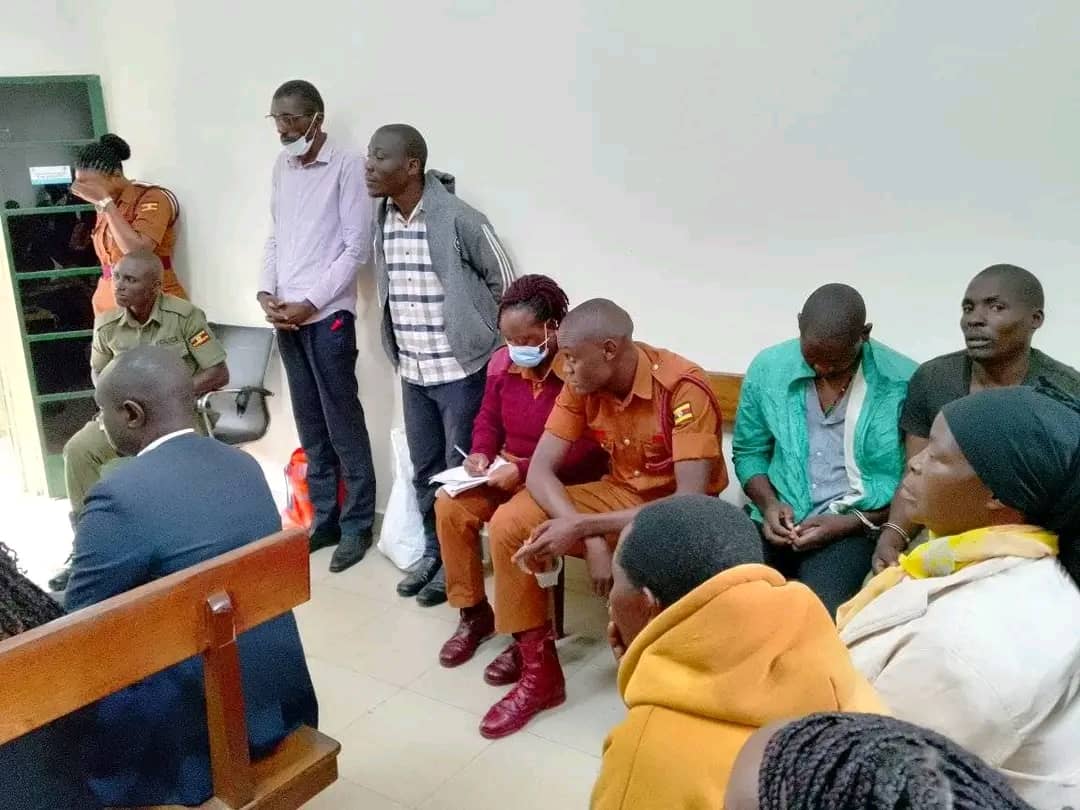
(301, 146)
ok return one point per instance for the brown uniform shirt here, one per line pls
(632, 431)
(151, 213)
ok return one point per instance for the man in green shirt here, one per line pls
(143, 316)
(817, 444)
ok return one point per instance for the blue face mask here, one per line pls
(529, 356)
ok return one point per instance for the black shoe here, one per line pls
(349, 552)
(324, 538)
(434, 593)
(59, 583)
(420, 576)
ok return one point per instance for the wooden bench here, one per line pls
(62, 666)
(727, 388)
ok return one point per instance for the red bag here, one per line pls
(299, 510)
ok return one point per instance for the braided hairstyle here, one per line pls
(23, 605)
(540, 295)
(870, 762)
(105, 156)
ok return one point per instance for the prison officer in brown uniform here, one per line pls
(655, 415)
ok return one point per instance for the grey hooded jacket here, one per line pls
(471, 264)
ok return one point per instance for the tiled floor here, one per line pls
(408, 727)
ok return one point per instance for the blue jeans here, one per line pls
(436, 418)
(320, 362)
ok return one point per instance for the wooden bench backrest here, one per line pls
(727, 388)
(70, 663)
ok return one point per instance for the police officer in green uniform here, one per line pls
(143, 316)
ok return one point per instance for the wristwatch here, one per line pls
(101, 205)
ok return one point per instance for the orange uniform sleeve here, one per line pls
(567, 418)
(695, 424)
(153, 214)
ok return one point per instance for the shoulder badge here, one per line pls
(200, 338)
(683, 413)
(147, 207)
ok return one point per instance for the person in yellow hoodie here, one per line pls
(712, 645)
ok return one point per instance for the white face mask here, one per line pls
(301, 145)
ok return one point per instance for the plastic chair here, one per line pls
(238, 414)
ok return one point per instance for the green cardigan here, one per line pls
(771, 436)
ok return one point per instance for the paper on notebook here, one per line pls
(456, 479)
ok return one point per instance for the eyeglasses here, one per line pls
(288, 119)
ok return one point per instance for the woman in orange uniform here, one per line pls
(130, 215)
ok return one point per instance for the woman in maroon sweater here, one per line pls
(522, 385)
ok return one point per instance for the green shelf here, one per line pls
(45, 337)
(61, 142)
(86, 78)
(64, 396)
(49, 209)
(63, 272)
(49, 116)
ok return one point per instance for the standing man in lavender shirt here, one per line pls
(321, 235)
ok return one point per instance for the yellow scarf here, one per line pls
(942, 556)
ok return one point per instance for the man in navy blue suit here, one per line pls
(181, 500)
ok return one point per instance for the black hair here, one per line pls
(871, 762)
(105, 156)
(303, 90)
(540, 295)
(413, 141)
(833, 310)
(23, 605)
(676, 544)
(1020, 281)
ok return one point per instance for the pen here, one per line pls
(463, 453)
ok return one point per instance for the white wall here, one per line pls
(706, 164)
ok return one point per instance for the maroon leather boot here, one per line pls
(477, 625)
(542, 686)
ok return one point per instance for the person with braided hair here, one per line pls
(976, 633)
(836, 761)
(523, 381)
(131, 216)
(39, 770)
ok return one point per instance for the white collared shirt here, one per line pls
(156, 443)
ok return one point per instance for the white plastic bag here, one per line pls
(401, 537)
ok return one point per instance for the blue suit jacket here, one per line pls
(184, 502)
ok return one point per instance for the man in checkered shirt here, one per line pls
(441, 272)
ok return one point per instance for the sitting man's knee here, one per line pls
(78, 446)
(509, 527)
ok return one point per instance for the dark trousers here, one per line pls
(320, 362)
(834, 572)
(437, 417)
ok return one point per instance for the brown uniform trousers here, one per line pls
(512, 517)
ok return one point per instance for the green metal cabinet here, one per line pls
(50, 266)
